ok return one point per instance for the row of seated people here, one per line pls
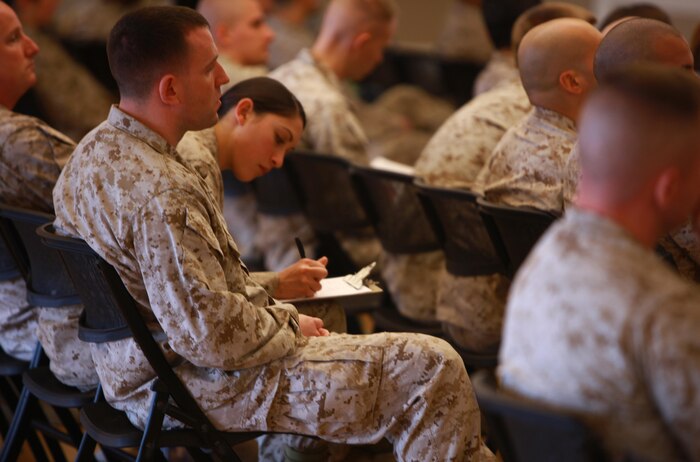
(576, 32)
(232, 331)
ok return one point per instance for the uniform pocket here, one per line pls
(331, 386)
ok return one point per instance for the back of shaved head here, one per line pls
(642, 118)
(543, 13)
(552, 48)
(221, 11)
(641, 40)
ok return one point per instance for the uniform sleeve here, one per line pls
(334, 129)
(268, 279)
(200, 294)
(672, 369)
(38, 154)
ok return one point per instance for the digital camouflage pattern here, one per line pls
(332, 125)
(240, 352)
(598, 324)
(526, 169)
(32, 155)
(458, 151)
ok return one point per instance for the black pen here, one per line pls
(300, 247)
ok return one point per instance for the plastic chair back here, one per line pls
(392, 205)
(326, 192)
(48, 284)
(518, 228)
(469, 249)
(529, 432)
(275, 194)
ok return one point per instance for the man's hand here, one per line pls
(312, 327)
(302, 279)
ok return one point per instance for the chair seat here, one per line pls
(10, 366)
(111, 427)
(43, 384)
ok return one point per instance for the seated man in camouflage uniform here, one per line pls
(251, 362)
(32, 155)
(596, 322)
(644, 40)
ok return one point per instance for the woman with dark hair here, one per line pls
(261, 121)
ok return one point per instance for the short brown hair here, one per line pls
(145, 42)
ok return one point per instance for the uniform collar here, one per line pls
(305, 56)
(555, 119)
(126, 123)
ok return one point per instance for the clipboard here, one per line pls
(346, 292)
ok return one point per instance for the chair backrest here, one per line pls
(110, 308)
(325, 189)
(518, 228)
(466, 241)
(529, 432)
(8, 262)
(392, 205)
(275, 194)
(48, 284)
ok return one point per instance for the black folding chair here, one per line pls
(393, 208)
(112, 314)
(467, 242)
(527, 432)
(518, 228)
(327, 197)
(48, 286)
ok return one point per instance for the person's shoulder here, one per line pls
(16, 126)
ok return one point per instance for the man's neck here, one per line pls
(633, 217)
(328, 56)
(152, 119)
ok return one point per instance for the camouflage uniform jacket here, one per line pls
(458, 151)
(332, 125)
(236, 325)
(526, 169)
(500, 70)
(598, 324)
(241, 354)
(32, 155)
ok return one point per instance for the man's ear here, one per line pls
(667, 187)
(243, 110)
(222, 36)
(572, 82)
(167, 90)
(360, 40)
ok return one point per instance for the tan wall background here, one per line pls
(421, 20)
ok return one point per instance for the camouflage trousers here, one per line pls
(70, 358)
(17, 320)
(472, 309)
(408, 388)
(411, 389)
(412, 281)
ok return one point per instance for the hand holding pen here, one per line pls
(303, 278)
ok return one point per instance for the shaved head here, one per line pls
(218, 12)
(355, 16)
(641, 40)
(553, 48)
(642, 119)
(543, 13)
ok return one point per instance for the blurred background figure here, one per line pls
(67, 96)
(290, 20)
(464, 35)
(640, 10)
(242, 36)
